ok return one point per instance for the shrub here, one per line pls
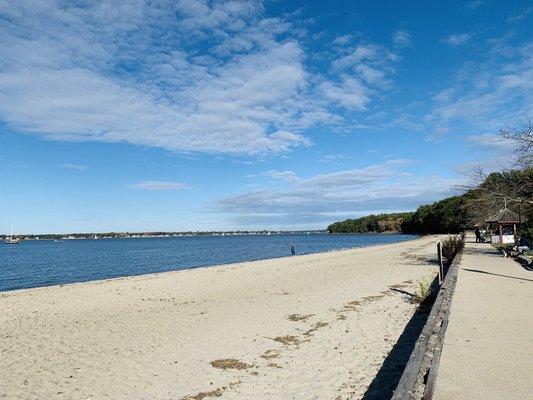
(424, 289)
(451, 246)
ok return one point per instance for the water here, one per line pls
(44, 262)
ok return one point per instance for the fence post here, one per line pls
(441, 266)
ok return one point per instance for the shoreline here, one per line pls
(310, 326)
(415, 237)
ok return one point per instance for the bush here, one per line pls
(451, 246)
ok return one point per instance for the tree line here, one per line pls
(483, 197)
(511, 189)
(371, 223)
(445, 216)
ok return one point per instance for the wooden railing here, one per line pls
(419, 376)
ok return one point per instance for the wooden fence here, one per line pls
(419, 376)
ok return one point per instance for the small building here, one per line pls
(502, 226)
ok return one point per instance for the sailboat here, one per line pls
(11, 239)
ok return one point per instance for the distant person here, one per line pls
(523, 244)
(292, 250)
(478, 235)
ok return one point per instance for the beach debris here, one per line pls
(299, 317)
(370, 299)
(204, 395)
(317, 326)
(400, 285)
(287, 339)
(274, 365)
(229, 363)
(270, 354)
(352, 305)
(233, 385)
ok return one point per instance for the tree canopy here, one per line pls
(371, 223)
(445, 216)
(511, 189)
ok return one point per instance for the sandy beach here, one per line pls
(307, 327)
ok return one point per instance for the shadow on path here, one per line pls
(491, 273)
(388, 376)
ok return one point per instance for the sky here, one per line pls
(224, 115)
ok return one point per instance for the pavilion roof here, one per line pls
(504, 215)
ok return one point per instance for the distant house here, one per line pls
(502, 226)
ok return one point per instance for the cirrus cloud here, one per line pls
(77, 167)
(401, 38)
(457, 39)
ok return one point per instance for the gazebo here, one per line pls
(503, 226)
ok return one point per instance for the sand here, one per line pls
(307, 327)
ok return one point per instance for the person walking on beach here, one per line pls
(292, 250)
(478, 235)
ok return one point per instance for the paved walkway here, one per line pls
(488, 347)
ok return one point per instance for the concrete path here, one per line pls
(488, 347)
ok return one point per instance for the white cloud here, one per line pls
(333, 157)
(488, 96)
(456, 40)
(475, 4)
(520, 16)
(287, 176)
(342, 40)
(363, 70)
(342, 194)
(157, 185)
(77, 167)
(350, 93)
(190, 75)
(357, 55)
(492, 142)
(401, 38)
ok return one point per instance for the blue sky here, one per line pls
(200, 115)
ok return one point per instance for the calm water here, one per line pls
(41, 263)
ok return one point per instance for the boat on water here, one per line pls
(11, 239)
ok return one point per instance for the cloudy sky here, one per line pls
(193, 114)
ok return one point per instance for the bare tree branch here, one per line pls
(522, 136)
